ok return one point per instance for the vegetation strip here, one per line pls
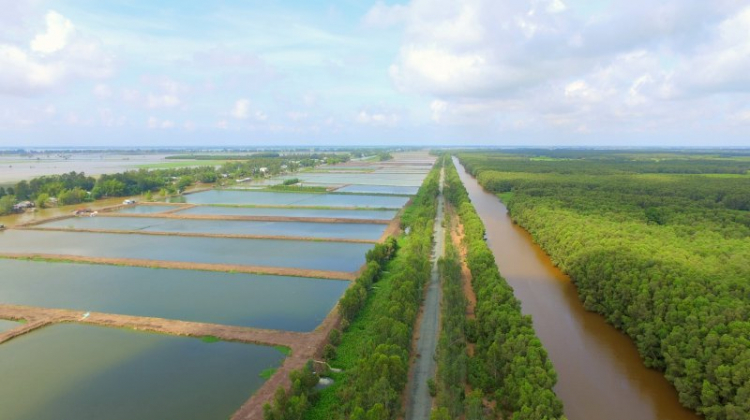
(378, 314)
(510, 365)
(231, 268)
(656, 246)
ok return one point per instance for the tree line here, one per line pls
(76, 187)
(510, 365)
(374, 343)
(663, 257)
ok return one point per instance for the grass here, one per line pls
(210, 339)
(267, 373)
(286, 351)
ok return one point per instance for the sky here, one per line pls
(422, 72)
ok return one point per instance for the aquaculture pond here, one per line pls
(145, 209)
(224, 227)
(6, 325)
(81, 372)
(263, 198)
(247, 300)
(312, 255)
(289, 212)
(413, 180)
(379, 189)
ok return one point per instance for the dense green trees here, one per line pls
(68, 188)
(452, 356)
(379, 313)
(664, 257)
(510, 364)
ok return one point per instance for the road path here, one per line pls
(419, 401)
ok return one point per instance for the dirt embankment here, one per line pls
(134, 262)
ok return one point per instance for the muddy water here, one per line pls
(600, 374)
(66, 372)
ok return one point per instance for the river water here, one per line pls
(600, 373)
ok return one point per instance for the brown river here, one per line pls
(600, 373)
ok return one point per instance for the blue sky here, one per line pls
(472, 72)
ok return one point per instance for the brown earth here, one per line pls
(134, 262)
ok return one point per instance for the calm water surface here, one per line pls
(379, 189)
(335, 256)
(224, 227)
(294, 199)
(601, 375)
(145, 209)
(271, 302)
(6, 325)
(77, 372)
(282, 212)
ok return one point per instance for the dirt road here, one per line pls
(418, 399)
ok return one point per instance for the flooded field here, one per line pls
(258, 198)
(289, 212)
(224, 227)
(15, 168)
(145, 209)
(82, 372)
(247, 300)
(6, 325)
(333, 256)
(379, 189)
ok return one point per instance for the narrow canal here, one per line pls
(600, 374)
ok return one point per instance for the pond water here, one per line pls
(289, 212)
(6, 325)
(335, 256)
(224, 227)
(81, 372)
(247, 300)
(379, 189)
(398, 179)
(260, 198)
(145, 209)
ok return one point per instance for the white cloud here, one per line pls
(156, 123)
(556, 6)
(241, 109)
(102, 90)
(162, 101)
(261, 116)
(526, 64)
(377, 118)
(382, 15)
(54, 57)
(57, 35)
